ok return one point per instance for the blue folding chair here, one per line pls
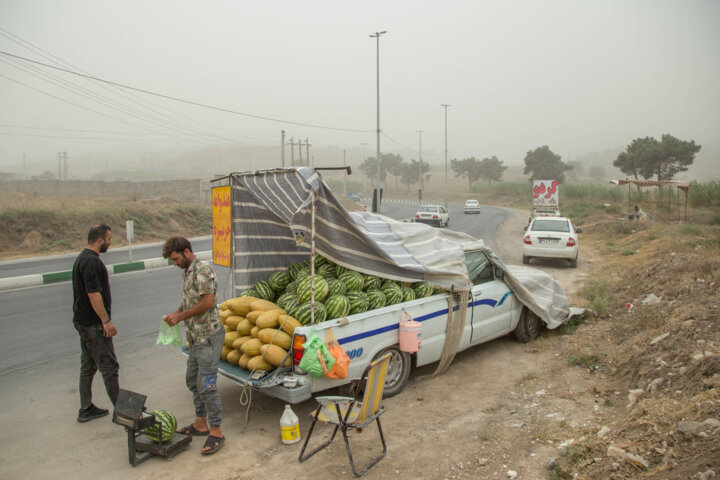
(348, 413)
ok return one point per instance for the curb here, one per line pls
(37, 279)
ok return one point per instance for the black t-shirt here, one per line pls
(89, 276)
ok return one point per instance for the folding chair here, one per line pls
(348, 413)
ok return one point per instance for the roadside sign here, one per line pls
(222, 226)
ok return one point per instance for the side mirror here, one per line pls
(578, 230)
(499, 273)
(525, 228)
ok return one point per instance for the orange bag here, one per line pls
(339, 369)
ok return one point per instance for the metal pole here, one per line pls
(364, 174)
(446, 170)
(377, 158)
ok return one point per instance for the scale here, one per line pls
(130, 413)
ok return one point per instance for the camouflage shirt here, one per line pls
(200, 279)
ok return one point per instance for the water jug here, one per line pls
(289, 426)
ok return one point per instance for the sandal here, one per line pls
(191, 430)
(215, 443)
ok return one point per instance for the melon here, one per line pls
(337, 306)
(166, 429)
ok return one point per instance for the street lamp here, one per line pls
(364, 167)
(446, 185)
(377, 190)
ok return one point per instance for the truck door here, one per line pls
(491, 300)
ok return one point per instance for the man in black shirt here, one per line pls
(91, 318)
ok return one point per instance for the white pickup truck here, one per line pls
(492, 311)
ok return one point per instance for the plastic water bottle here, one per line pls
(289, 426)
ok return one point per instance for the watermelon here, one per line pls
(438, 290)
(327, 270)
(302, 313)
(292, 287)
(336, 287)
(358, 301)
(408, 294)
(285, 299)
(371, 282)
(319, 260)
(163, 433)
(387, 282)
(249, 293)
(295, 268)
(304, 289)
(337, 306)
(304, 272)
(376, 299)
(393, 296)
(339, 270)
(352, 280)
(422, 289)
(279, 281)
(264, 290)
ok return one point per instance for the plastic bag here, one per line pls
(316, 358)
(339, 368)
(169, 335)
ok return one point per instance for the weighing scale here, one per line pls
(130, 413)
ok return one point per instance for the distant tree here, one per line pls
(664, 159)
(393, 164)
(597, 172)
(491, 169)
(577, 169)
(409, 174)
(420, 169)
(543, 164)
(468, 168)
(369, 168)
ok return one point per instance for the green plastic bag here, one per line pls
(316, 356)
(169, 335)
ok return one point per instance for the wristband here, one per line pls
(105, 323)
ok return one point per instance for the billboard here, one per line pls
(545, 192)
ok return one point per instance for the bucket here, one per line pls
(410, 331)
(289, 426)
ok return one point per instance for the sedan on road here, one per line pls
(471, 206)
(433, 215)
(551, 237)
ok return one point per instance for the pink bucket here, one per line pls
(410, 334)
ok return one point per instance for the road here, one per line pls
(39, 361)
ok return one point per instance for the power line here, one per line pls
(197, 104)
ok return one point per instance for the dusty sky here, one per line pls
(579, 76)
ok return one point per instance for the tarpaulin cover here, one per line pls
(272, 226)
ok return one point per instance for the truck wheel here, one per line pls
(529, 326)
(398, 371)
(526, 260)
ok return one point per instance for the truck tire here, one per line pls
(398, 371)
(529, 326)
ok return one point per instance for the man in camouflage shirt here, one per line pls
(205, 334)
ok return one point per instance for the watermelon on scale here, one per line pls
(164, 433)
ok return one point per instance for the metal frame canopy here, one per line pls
(680, 185)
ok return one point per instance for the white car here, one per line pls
(551, 237)
(471, 206)
(433, 215)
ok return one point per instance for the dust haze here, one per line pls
(170, 89)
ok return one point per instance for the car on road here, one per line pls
(551, 237)
(471, 206)
(433, 215)
(354, 196)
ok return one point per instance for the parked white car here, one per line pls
(433, 215)
(471, 206)
(551, 237)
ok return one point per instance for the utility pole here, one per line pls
(282, 148)
(446, 170)
(377, 190)
(300, 161)
(65, 160)
(59, 166)
(292, 151)
(364, 173)
(420, 179)
(307, 152)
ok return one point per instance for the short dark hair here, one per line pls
(98, 231)
(175, 244)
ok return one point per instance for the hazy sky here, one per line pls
(579, 76)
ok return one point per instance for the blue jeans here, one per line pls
(201, 377)
(98, 353)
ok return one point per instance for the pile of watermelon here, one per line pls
(339, 291)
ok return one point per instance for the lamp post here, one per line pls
(420, 182)
(377, 158)
(446, 172)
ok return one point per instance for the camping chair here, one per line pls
(348, 413)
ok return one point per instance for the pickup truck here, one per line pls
(492, 311)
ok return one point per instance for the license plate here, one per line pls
(548, 240)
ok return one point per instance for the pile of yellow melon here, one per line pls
(258, 333)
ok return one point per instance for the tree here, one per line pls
(409, 174)
(369, 167)
(420, 169)
(491, 169)
(468, 168)
(596, 172)
(664, 159)
(393, 164)
(545, 165)
(577, 169)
